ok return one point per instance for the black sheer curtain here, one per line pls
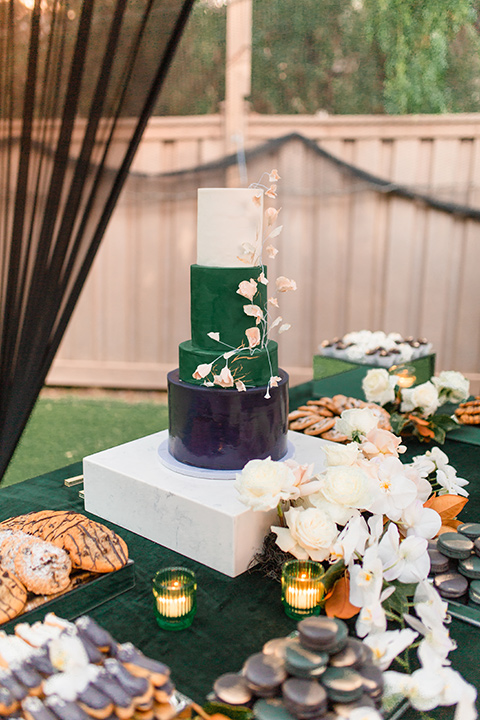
(78, 82)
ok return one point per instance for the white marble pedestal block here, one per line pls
(200, 518)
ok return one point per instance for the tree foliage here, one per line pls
(337, 56)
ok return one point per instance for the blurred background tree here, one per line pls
(336, 56)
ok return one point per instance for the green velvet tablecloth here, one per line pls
(235, 616)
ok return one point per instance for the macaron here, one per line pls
(324, 634)
(354, 654)
(271, 709)
(232, 689)
(264, 674)
(476, 546)
(451, 585)
(342, 684)
(455, 545)
(304, 698)
(276, 646)
(302, 662)
(474, 592)
(439, 563)
(470, 529)
(372, 680)
(470, 567)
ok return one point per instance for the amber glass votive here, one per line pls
(302, 588)
(175, 593)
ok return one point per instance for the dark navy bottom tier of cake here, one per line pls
(222, 428)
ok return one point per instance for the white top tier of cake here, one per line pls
(226, 219)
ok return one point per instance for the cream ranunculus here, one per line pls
(262, 484)
(310, 534)
(379, 386)
(452, 386)
(347, 486)
(356, 423)
(424, 397)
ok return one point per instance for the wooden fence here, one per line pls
(361, 258)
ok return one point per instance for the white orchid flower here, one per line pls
(420, 521)
(364, 713)
(418, 474)
(451, 484)
(372, 617)
(396, 490)
(423, 687)
(366, 579)
(407, 561)
(436, 644)
(387, 645)
(426, 596)
(352, 539)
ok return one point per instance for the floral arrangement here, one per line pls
(413, 410)
(257, 335)
(368, 517)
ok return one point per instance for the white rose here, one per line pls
(452, 386)
(356, 423)
(347, 486)
(263, 483)
(310, 534)
(424, 397)
(341, 454)
(379, 386)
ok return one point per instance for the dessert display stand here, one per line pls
(197, 514)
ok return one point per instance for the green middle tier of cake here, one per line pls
(217, 307)
(253, 367)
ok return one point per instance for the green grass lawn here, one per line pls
(64, 430)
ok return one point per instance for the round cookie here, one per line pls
(13, 595)
(43, 568)
(11, 546)
(93, 546)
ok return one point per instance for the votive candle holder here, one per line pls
(302, 587)
(175, 593)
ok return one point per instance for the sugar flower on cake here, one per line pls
(225, 378)
(247, 288)
(283, 284)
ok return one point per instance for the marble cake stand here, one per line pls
(199, 517)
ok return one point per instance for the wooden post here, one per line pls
(237, 83)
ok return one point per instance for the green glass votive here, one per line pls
(175, 593)
(302, 588)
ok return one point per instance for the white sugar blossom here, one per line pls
(427, 598)
(310, 534)
(356, 423)
(452, 386)
(262, 484)
(405, 560)
(423, 397)
(451, 484)
(379, 386)
(387, 645)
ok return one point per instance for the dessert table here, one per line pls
(235, 615)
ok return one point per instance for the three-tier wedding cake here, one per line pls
(228, 400)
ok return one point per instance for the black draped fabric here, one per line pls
(78, 82)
